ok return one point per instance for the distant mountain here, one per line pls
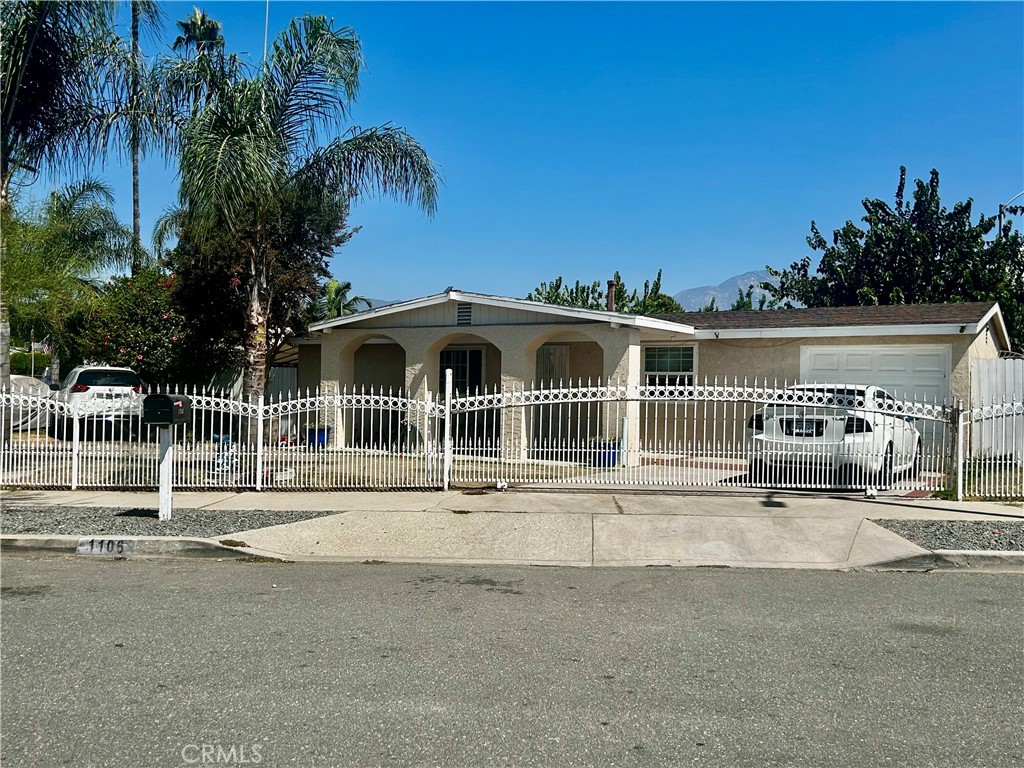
(725, 292)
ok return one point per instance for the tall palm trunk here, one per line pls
(135, 141)
(257, 348)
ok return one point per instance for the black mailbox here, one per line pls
(165, 410)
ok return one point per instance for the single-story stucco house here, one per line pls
(924, 351)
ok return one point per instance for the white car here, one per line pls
(100, 395)
(847, 434)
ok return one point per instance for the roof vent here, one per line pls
(464, 314)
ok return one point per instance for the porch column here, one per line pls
(623, 366)
(337, 366)
(422, 365)
(518, 368)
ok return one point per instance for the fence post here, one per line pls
(259, 444)
(960, 454)
(427, 402)
(447, 428)
(76, 446)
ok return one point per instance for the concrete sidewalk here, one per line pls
(760, 530)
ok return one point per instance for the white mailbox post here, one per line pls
(165, 412)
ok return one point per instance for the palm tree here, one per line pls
(54, 254)
(149, 10)
(337, 302)
(51, 70)
(256, 138)
(51, 74)
(198, 32)
(199, 71)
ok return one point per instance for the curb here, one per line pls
(189, 547)
(957, 560)
(132, 547)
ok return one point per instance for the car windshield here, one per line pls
(102, 378)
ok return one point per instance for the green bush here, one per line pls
(21, 363)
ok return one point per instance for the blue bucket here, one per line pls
(319, 438)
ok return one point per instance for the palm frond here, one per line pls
(310, 78)
(51, 71)
(384, 161)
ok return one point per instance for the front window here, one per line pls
(668, 366)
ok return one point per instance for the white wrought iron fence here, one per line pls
(717, 434)
(992, 451)
(710, 434)
(367, 439)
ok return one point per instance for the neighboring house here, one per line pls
(495, 343)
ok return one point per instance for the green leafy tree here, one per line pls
(913, 252)
(592, 296)
(253, 143)
(652, 301)
(137, 323)
(584, 295)
(745, 300)
(303, 231)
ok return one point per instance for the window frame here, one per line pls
(661, 378)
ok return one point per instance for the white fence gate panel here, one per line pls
(352, 440)
(994, 463)
(715, 434)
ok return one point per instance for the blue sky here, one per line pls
(699, 138)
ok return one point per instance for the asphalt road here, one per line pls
(141, 663)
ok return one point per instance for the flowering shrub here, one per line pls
(138, 325)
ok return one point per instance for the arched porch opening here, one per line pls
(476, 366)
(556, 428)
(373, 375)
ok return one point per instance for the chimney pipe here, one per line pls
(610, 299)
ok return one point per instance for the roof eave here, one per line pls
(923, 329)
(594, 315)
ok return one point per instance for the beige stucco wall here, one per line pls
(586, 361)
(380, 366)
(511, 352)
(308, 374)
(598, 351)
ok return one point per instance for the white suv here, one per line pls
(101, 395)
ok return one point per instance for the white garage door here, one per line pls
(910, 371)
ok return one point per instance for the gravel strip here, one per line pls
(121, 521)
(997, 535)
